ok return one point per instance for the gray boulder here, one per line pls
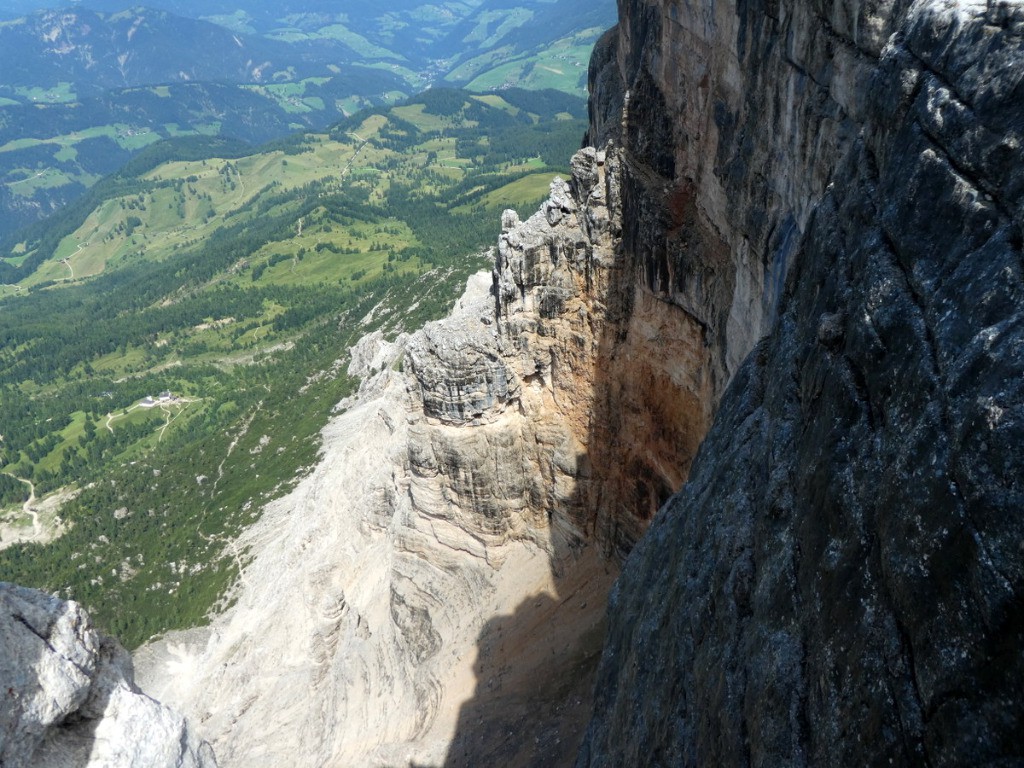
(69, 698)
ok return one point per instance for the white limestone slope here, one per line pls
(354, 637)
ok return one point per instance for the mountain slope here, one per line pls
(84, 90)
(98, 52)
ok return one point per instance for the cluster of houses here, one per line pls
(163, 398)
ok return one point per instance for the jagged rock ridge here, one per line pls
(409, 586)
(69, 697)
(841, 580)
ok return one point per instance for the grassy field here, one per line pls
(533, 187)
(292, 97)
(492, 26)
(562, 66)
(188, 201)
(62, 93)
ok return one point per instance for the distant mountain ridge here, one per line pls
(84, 88)
(97, 51)
(114, 45)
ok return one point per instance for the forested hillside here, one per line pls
(84, 89)
(171, 345)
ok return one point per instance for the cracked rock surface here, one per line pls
(841, 581)
(69, 698)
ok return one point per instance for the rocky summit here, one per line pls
(786, 278)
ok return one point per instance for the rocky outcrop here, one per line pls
(69, 697)
(401, 605)
(841, 580)
(626, 371)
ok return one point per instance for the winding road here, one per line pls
(185, 402)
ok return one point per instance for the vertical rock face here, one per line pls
(841, 581)
(69, 696)
(433, 590)
(623, 370)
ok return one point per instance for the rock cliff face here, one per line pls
(433, 590)
(625, 371)
(69, 697)
(841, 581)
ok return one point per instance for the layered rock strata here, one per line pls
(626, 370)
(419, 597)
(841, 581)
(69, 697)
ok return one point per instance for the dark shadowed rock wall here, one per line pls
(841, 581)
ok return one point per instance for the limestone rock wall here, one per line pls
(626, 373)
(841, 580)
(421, 595)
(731, 118)
(69, 697)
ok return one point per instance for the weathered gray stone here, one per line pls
(69, 698)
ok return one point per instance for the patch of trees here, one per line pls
(12, 491)
(547, 102)
(444, 102)
(554, 142)
(184, 148)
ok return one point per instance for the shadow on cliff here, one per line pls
(535, 669)
(628, 360)
(74, 740)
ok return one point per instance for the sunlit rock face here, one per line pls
(841, 581)
(69, 697)
(434, 590)
(626, 371)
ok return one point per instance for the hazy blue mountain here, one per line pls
(410, 33)
(85, 87)
(95, 52)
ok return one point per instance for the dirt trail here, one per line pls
(185, 402)
(29, 506)
(112, 416)
(231, 448)
(22, 181)
(66, 261)
(355, 155)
